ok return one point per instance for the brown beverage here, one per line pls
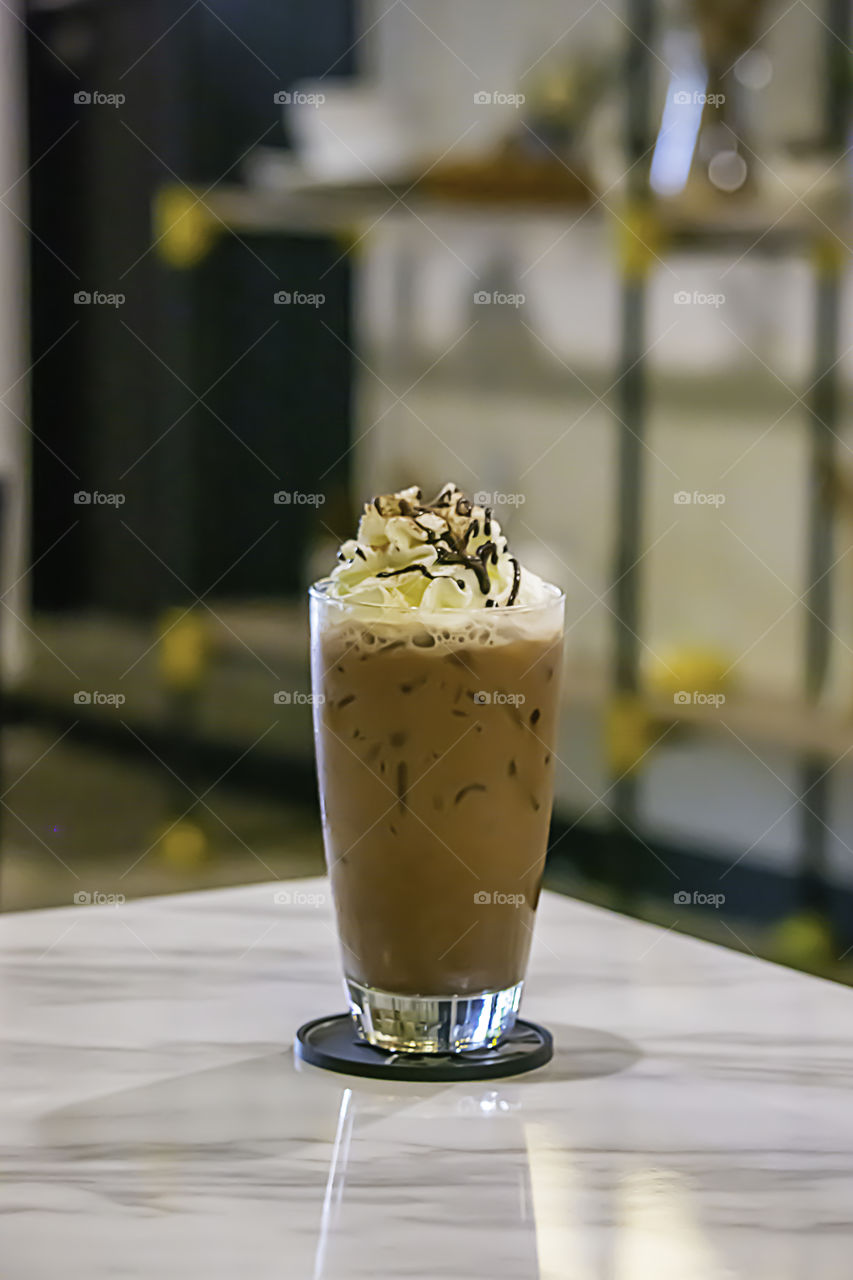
(435, 725)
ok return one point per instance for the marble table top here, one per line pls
(695, 1123)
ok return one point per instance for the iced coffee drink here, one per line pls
(437, 661)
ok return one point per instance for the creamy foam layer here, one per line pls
(370, 631)
(431, 557)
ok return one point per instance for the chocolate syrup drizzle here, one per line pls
(451, 548)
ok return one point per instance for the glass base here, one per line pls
(432, 1024)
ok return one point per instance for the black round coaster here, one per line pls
(332, 1043)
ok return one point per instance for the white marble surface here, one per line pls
(695, 1124)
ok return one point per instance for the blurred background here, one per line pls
(261, 262)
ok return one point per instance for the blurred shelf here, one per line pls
(757, 717)
(745, 394)
(258, 649)
(303, 207)
(773, 721)
(251, 656)
(326, 209)
(785, 220)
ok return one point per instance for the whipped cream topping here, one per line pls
(430, 556)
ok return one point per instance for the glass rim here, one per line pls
(319, 590)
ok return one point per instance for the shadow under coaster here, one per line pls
(333, 1043)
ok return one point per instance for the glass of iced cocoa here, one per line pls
(436, 664)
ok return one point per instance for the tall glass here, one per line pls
(435, 738)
